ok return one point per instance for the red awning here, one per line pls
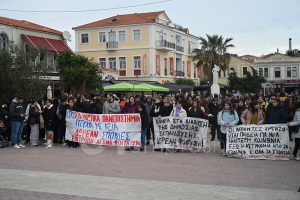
(52, 45)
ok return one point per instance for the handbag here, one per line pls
(294, 129)
(42, 123)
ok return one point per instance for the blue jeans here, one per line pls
(143, 137)
(17, 129)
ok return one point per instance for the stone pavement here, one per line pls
(94, 172)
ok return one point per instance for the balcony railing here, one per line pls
(112, 45)
(179, 48)
(165, 43)
(179, 73)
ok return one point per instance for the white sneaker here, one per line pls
(49, 146)
(17, 147)
(64, 144)
(222, 151)
(292, 157)
(21, 145)
(297, 158)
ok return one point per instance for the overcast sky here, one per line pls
(257, 26)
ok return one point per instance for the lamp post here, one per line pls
(208, 90)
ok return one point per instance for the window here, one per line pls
(114, 20)
(102, 62)
(137, 62)
(102, 37)
(84, 38)
(3, 41)
(288, 72)
(122, 36)
(112, 63)
(166, 66)
(183, 65)
(183, 41)
(136, 35)
(294, 71)
(260, 71)
(122, 61)
(172, 38)
(245, 71)
(266, 73)
(277, 72)
(192, 46)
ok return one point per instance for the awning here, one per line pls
(52, 45)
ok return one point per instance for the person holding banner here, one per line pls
(111, 106)
(296, 134)
(277, 113)
(144, 124)
(195, 110)
(72, 107)
(228, 117)
(178, 111)
(252, 114)
(131, 106)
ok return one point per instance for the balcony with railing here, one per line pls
(112, 45)
(190, 51)
(179, 73)
(179, 48)
(165, 45)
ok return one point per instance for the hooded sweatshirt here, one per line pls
(114, 105)
(16, 109)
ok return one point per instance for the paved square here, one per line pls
(96, 172)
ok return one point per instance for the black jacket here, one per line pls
(15, 111)
(33, 115)
(94, 109)
(163, 111)
(198, 114)
(277, 115)
(185, 104)
(5, 112)
(144, 120)
(50, 119)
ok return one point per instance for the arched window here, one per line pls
(3, 41)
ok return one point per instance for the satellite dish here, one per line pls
(66, 35)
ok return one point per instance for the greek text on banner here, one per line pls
(110, 129)
(258, 142)
(180, 133)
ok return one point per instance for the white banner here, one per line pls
(180, 133)
(110, 129)
(268, 141)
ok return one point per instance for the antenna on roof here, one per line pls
(67, 35)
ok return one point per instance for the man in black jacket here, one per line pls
(94, 108)
(17, 117)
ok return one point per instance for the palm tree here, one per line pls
(213, 51)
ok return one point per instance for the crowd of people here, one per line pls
(45, 119)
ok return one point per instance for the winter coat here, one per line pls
(246, 117)
(114, 105)
(240, 111)
(94, 109)
(196, 114)
(131, 108)
(182, 112)
(149, 106)
(144, 120)
(5, 112)
(50, 119)
(33, 115)
(277, 115)
(185, 104)
(15, 111)
(163, 111)
(296, 122)
(213, 109)
(169, 108)
(226, 118)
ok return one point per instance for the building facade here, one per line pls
(141, 46)
(281, 71)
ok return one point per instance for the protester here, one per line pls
(262, 105)
(144, 124)
(17, 117)
(111, 106)
(61, 112)
(5, 116)
(277, 113)
(213, 117)
(168, 105)
(240, 109)
(295, 135)
(131, 106)
(41, 102)
(228, 117)
(204, 107)
(72, 107)
(50, 119)
(94, 107)
(149, 105)
(34, 121)
(252, 115)
(178, 111)
(195, 110)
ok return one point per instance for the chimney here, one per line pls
(290, 44)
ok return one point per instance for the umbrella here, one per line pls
(126, 87)
(154, 88)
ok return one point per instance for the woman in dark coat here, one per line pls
(72, 107)
(195, 110)
(34, 120)
(50, 121)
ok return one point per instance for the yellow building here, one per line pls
(142, 46)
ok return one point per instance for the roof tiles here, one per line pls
(27, 25)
